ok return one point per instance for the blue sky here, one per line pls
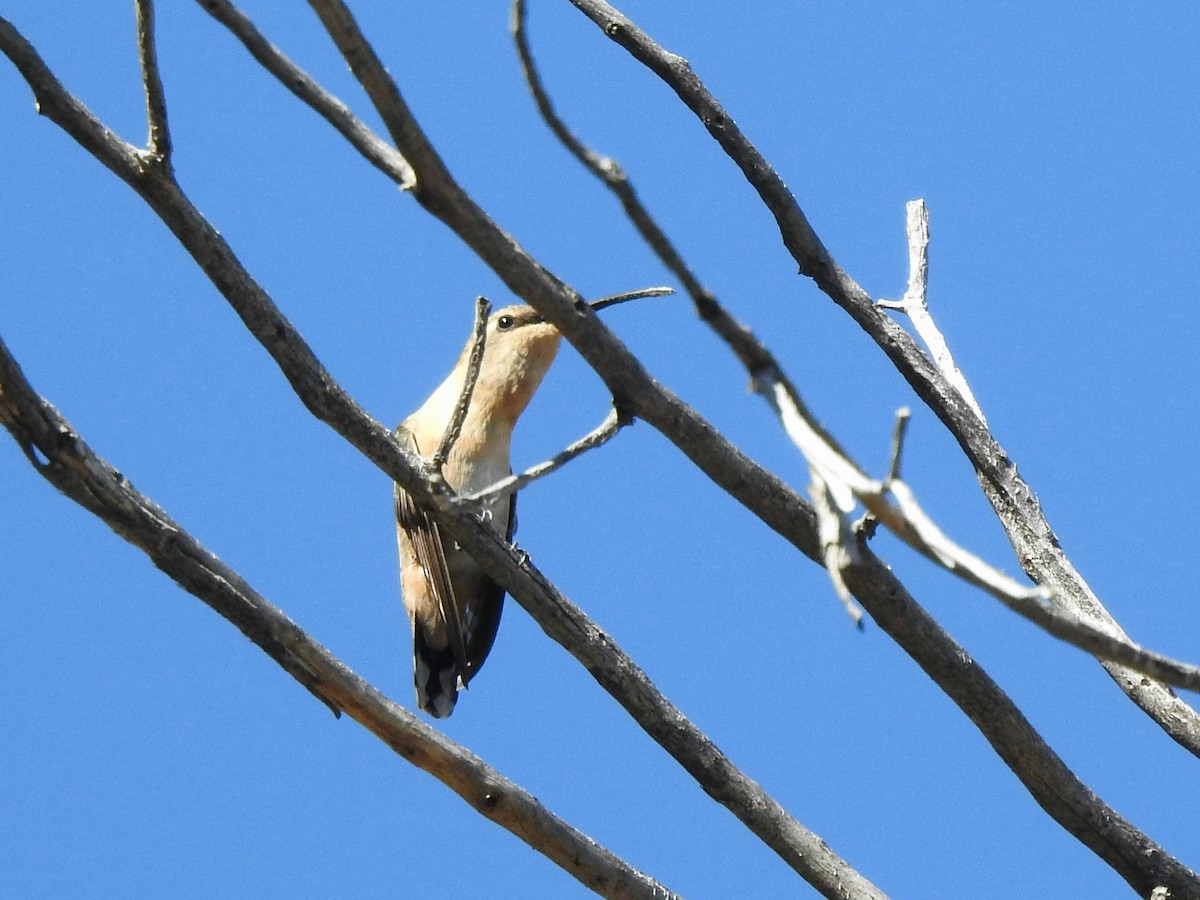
(151, 750)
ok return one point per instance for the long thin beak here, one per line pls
(630, 295)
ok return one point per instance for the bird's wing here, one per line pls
(483, 618)
(426, 538)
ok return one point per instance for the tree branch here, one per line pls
(750, 351)
(373, 148)
(1100, 827)
(1066, 799)
(454, 427)
(915, 302)
(561, 619)
(838, 482)
(1003, 723)
(598, 437)
(158, 141)
(1015, 503)
(60, 455)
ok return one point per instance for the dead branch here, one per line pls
(915, 302)
(373, 148)
(1015, 503)
(760, 491)
(62, 457)
(454, 427)
(762, 367)
(563, 621)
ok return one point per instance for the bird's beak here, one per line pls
(629, 295)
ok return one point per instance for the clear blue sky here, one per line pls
(150, 750)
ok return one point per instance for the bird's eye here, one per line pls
(505, 322)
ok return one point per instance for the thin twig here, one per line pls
(867, 525)
(613, 299)
(839, 548)
(62, 457)
(903, 415)
(603, 167)
(371, 146)
(159, 137)
(599, 436)
(454, 427)
(750, 351)
(915, 303)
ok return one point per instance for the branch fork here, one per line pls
(915, 303)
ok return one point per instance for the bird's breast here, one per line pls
(475, 466)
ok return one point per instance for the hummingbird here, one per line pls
(453, 606)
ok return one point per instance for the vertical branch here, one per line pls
(915, 303)
(903, 414)
(158, 141)
(454, 427)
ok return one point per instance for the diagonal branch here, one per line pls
(597, 437)
(893, 503)
(912, 628)
(1016, 505)
(561, 619)
(373, 148)
(750, 351)
(1126, 849)
(60, 455)
(1138, 859)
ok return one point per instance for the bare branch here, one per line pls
(598, 437)
(839, 483)
(60, 455)
(844, 483)
(915, 303)
(1138, 858)
(839, 547)
(561, 619)
(613, 299)
(750, 351)
(373, 148)
(65, 111)
(454, 427)
(903, 416)
(158, 141)
(1015, 503)
(603, 167)
(627, 380)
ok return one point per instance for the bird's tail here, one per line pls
(435, 675)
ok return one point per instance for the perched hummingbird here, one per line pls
(453, 606)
